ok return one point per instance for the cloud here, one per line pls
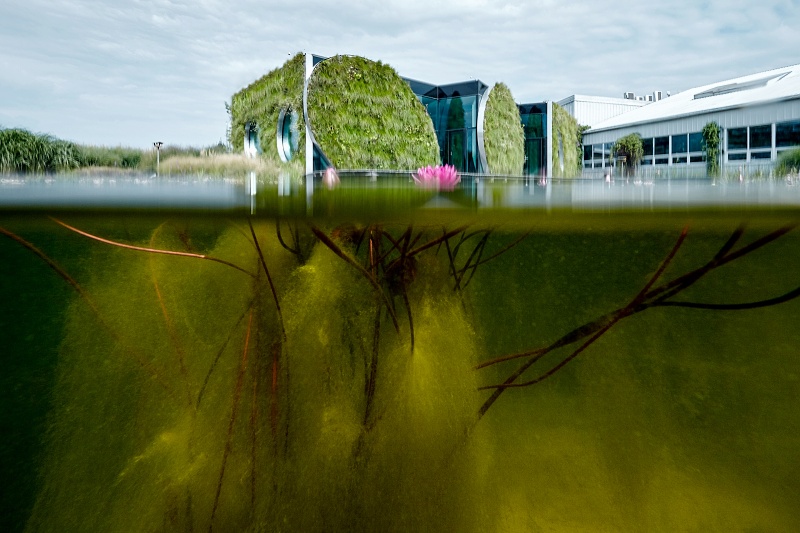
(117, 71)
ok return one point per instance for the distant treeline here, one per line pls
(23, 151)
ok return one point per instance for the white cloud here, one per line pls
(122, 71)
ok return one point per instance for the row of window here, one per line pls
(746, 143)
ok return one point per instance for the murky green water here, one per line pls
(331, 374)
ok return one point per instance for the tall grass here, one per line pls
(788, 163)
(228, 165)
(22, 151)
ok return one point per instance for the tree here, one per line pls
(630, 147)
(711, 148)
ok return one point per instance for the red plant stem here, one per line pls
(234, 411)
(374, 282)
(140, 360)
(150, 250)
(173, 335)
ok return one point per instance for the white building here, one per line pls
(759, 117)
(591, 110)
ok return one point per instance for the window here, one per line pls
(737, 138)
(737, 157)
(696, 142)
(787, 133)
(679, 144)
(679, 159)
(661, 146)
(252, 145)
(697, 159)
(287, 134)
(761, 136)
(761, 155)
(647, 146)
(662, 161)
(587, 153)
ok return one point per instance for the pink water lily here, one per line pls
(440, 177)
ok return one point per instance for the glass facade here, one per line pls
(534, 124)
(737, 139)
(787, 134)
(454, 111)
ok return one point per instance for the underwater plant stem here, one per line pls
(173, 335)
(498, 253)
(269, 278)
(373, 281)
(140, 360)
(295, 251)
(594, 330)
(150, 250)
(438, 240)
(234, 411)
(369, 384)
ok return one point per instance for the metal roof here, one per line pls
(761, 88)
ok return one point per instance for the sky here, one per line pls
(131, 72)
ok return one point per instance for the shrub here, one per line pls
(630, 147)
(788, 162)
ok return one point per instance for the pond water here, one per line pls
(183, 355)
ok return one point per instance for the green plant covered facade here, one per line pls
(567, 150)
(504, 138)
(261, 103)
(364, 116)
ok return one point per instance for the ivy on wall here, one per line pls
(504, 138)
(567, 151)
(364, 116)
(711, 148)
(261, 103)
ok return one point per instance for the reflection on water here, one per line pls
(390, 364)
(306, 196)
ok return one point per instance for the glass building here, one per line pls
(534, 123)
(453, 109)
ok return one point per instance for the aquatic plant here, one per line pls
(238, 379)
(440, 177)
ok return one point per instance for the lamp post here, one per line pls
(158, 145)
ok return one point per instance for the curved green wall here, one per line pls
(503, 137)
(364, 116)
(567, 154)
(262, 101)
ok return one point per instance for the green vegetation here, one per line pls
(364, 116)
(788, 163)
(261, 103)
(711, 147)
(504, 138)
(567, 150)
(630, 147)
(23, 151)
(297, 377)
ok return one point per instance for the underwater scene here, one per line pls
(405, 360)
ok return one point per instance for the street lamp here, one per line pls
(158, 145)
